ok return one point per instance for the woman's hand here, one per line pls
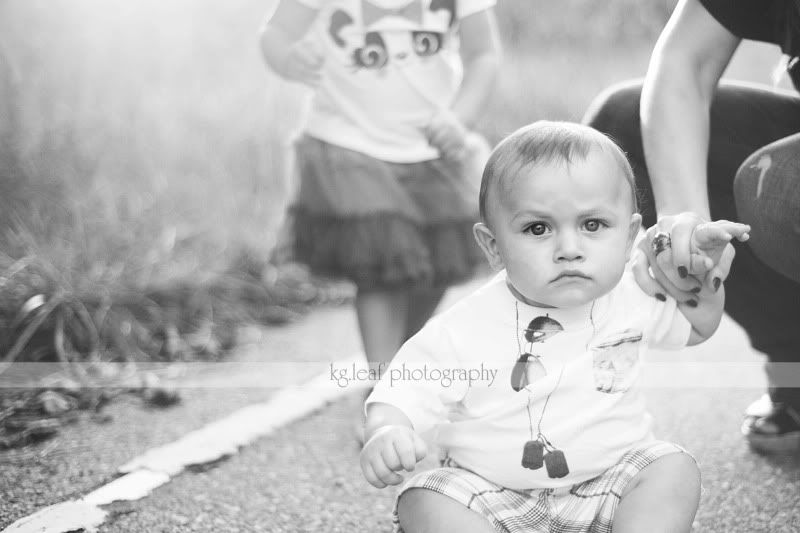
(684, 259)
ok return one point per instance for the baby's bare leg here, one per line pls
(423, 510)
(663, 497)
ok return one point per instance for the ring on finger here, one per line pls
(661, 242)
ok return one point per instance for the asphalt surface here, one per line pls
(305, 477)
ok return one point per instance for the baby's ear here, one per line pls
(633, 231)
(488, 244)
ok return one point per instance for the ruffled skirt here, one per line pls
(382, 224)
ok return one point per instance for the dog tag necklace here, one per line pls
(538, 451)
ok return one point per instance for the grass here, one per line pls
(143, 160)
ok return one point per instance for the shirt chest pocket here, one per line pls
(615, 361)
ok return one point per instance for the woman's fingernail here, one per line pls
(717, 283)
(696, 289)
(692, 303)
(661, 297)
(682, 272)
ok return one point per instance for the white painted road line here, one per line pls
(210, 443)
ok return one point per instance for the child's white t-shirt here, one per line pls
(591, 355)
(389, 66)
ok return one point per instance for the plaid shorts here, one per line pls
(585, 507)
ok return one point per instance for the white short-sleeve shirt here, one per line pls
(586, 360)
(389, 66)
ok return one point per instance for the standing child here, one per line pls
(558, 440)
(383, 199)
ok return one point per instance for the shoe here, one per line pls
(772, 428)
(761, 407)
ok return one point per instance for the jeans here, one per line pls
(753, 177)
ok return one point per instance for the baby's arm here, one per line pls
(391, 445)
(282, 47)
(480, 55)
(710, 239)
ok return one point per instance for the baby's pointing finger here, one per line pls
(709, 236)
(719, 232)
(740, 231)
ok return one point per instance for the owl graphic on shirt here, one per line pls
(376, 37)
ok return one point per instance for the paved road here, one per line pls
(305, 477)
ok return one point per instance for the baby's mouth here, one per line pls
(571, 274)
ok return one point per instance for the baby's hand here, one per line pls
(389, 450)
(711, 238)
(303, 64)
(710, 242)
(446, 133)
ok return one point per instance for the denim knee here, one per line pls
(767, 195)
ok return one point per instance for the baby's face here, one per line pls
(564, 231)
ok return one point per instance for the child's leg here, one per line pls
(382, 321)
(422, 510)
(382, 324)
(422, 303)
(387, 318)
(663, 497)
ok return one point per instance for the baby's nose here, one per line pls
(569, 255)
(569, 248)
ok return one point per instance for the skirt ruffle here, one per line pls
(383, 224)
(385, 250)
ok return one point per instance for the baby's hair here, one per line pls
(547, 142)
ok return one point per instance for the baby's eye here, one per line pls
(593, 225)
(537, 228)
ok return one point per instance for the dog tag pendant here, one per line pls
(535, 369)
(527, 370)
(518, 374)
(556, 464)
(532, 455)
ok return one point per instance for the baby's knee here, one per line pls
(663, 496)
(686, 474)
(417, 509)
(674, 477)
(425, 511)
